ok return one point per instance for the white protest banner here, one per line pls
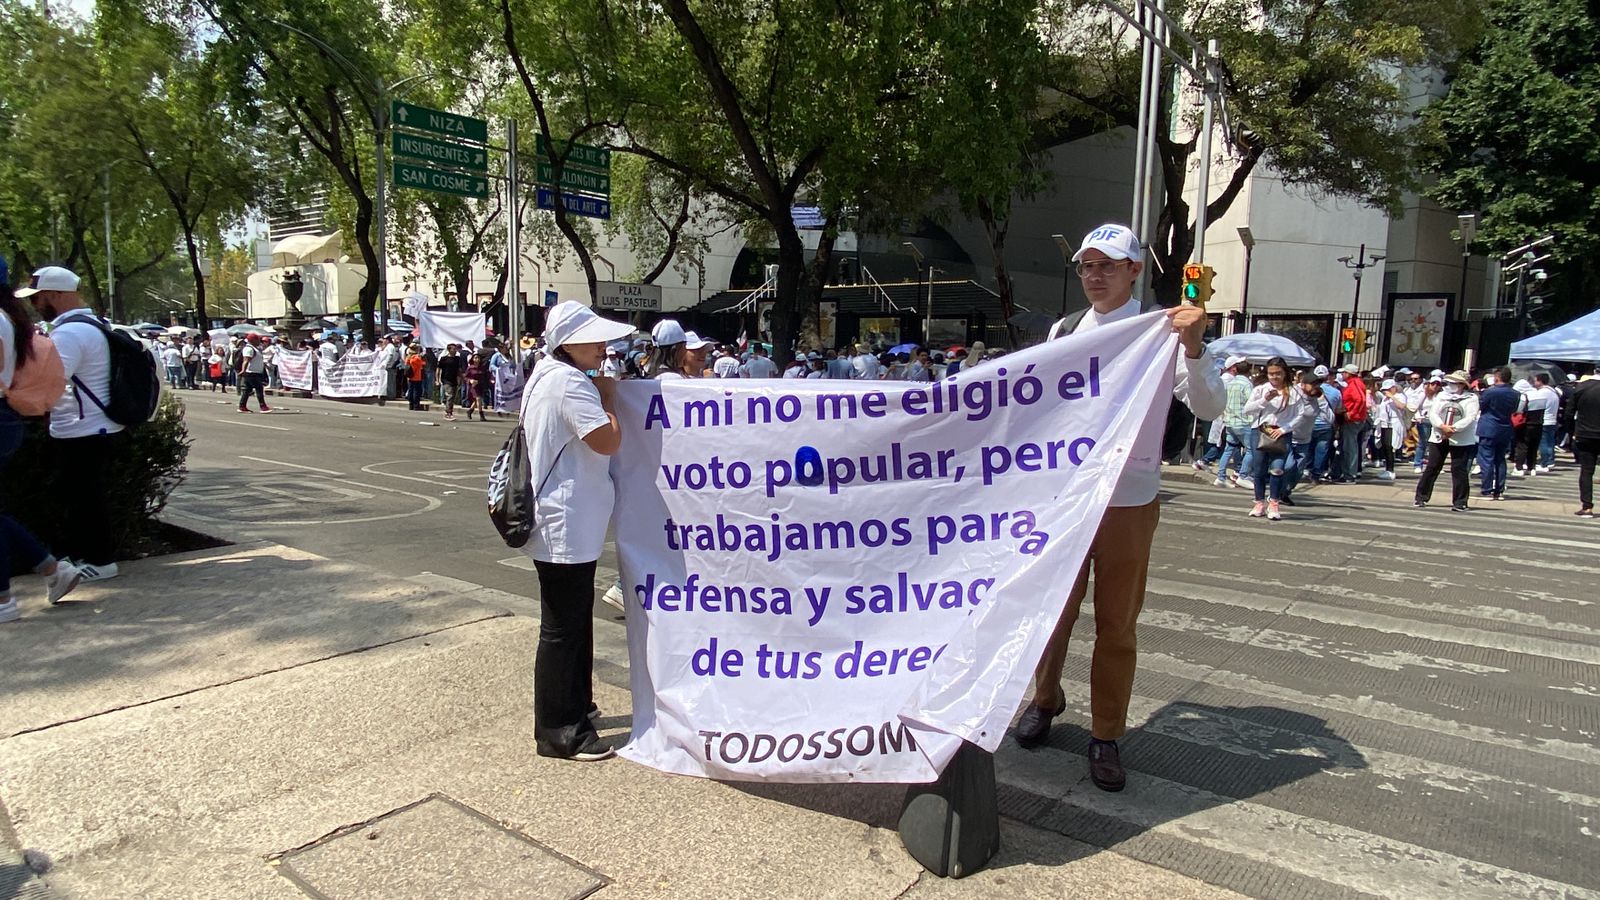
(218, 336)
(294, 368)
(356, 374)
(840, 581)
(441, 329)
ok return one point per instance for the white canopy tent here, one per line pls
(1578, 340)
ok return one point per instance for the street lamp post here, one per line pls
(1249, 241)
(1467, 224)
(1065, 246)
(1359, 263)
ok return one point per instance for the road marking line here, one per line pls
(429, 505)
(1314, 848)
(279, 462)
(462, 452)
(247, 424)
(455, 486)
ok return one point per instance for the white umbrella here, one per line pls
(1258, 347)
(181, 330)
(244, 329)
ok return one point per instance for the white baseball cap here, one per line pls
(694, 341)
(570, 322)
(1351, 369)
(1388, 384)
(1232, 361)
(667, 332)
(1320, 371)
(49, 278)
(1115, 241)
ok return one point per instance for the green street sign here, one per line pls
(442, 153)
(576, 180)
(439, 181)
(421, 118)
(582, 156)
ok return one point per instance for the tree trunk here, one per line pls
(368, 298)
(201, 318)
(816, 274)
(786, 307)
(996, 230)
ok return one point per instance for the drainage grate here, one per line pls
(434, 848)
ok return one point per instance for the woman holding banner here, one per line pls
(570, 430)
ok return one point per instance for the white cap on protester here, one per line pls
(570, 322)
(1232, 361)
(1388, 385)
(694, 341)
(1320, 371)
(1115, 241)
(49, 278)
(667, 332)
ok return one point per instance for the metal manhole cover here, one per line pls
(436, 848)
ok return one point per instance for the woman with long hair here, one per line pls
(571, 430)
(677, 354)
(17, 544)
(1276, 410)
(478, 385)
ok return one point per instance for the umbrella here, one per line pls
(245, 329)
(149, 326)
(181, 329)
(1258, 347)
(1531, 367)
(903, 348)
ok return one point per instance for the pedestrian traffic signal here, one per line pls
(1361, 340)
(1196, 284)
(1352, 340)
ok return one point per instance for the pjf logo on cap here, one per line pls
(1106, 233)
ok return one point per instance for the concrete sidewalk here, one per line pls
(260, 722)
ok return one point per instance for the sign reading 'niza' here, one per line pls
(421, 118)
(444, 153)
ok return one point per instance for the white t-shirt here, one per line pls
(329, 351)
(760, 367)
(172, 357)
(1548, 399)
(189, 352)
(1196, 382)
(86, 355)
(866, 366)
(726, 367)
(560, 407)
(671, 376)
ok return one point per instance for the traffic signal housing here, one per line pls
(1197, 284)
(1352, 341)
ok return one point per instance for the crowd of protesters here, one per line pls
(1282, 427)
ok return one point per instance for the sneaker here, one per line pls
(594, 712)
(1519, 473)
(1419, 504)
(97, 573)
(266, 409)
(614, 597)
(1219, 483)
(1233, 478)
(1545, 470)
(1385, 476)
(1259, 510)
(62, 580)
(1585, 514)
(1460, 509)
(243, 410)
(1244, 482)
(1199, 465)
(1416, 470)
(1287, 500)
(1272, 511)
(9, 611)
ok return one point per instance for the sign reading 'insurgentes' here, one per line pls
(444, 153)
(841, 581)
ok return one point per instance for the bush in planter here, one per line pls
(151, 465)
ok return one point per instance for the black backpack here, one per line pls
(135, 386)
(511, 493)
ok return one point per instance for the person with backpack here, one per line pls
(84, 438)
(571, 432)
(252, 374)
(30, 372)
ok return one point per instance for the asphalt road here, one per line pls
(1363, 700)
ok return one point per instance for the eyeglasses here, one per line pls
(1098, 268)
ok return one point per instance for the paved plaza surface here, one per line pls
(1364, 700)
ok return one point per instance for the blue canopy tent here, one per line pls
(1578, 340)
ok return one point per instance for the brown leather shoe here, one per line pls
(1034, 726)
(1105, 766)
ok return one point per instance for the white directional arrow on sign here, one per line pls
(402, 114)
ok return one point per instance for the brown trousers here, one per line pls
(1120, 556)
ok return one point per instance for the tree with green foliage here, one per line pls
(1316, 90)
(1520, 141)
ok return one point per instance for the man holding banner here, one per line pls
(1109, 262)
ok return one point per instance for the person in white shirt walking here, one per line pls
(252, 374)
(1109, 262)
(83, 439)
(1276, 410)
(1547, 400)
(758, 365)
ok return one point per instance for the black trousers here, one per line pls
(1460, 471)
(83, 471)
(563, 667)
(1526, 452)
(249, 382)
(1587, 451)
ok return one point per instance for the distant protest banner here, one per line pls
(834, 581)
(438, 330)
(294, 368)
(356, 374)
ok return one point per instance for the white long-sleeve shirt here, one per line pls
(1267, 407)
(1462, 409)
(1196, 382)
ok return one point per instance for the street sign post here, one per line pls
(576, 179)
(628, 297)
(421, 118)
(582, 156)
(593, 207)
(439, 153)
(460, 184)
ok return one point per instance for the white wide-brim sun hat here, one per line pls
(571, 322)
